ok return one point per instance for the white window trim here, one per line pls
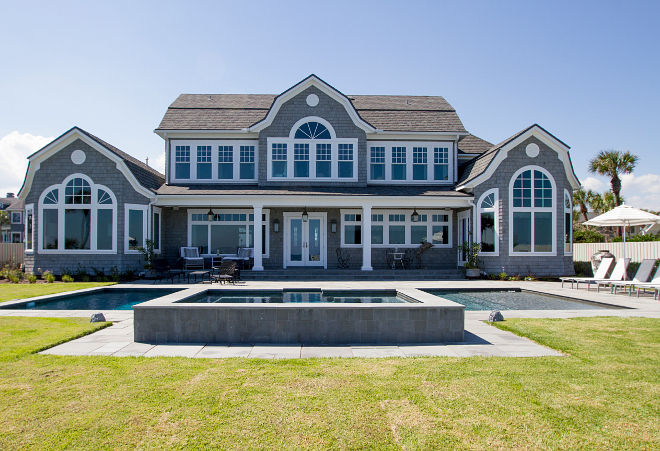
(430, 158)
(533, 210)
(569, 211)
(345, 223)
(159, 212)
(61, 206)
(29, 209)
(496, 210)
(20, 217)
(248, 211)
(407, 223)
(145, 228)
(215, 144)
(20, 237)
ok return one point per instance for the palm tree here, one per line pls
(582, 199)
(612, 163)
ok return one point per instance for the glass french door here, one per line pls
(463, 234)
(305, 243)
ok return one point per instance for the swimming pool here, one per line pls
(513, 300)
(101, 299)
(296, 297)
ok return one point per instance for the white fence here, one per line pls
(637, 252)
(11, 253)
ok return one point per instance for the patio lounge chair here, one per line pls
(642, 276)
(654, 284)
(191, 258)
(618, 273)
(226, 272)
(242, 257)
(601, 273)
(164, 270)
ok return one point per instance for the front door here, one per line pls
(463, 234)
(305, 242)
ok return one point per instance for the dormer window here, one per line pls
(400, 162)
(214, 161)
(312, 130)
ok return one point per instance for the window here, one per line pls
(16, 237)
(229, 230)
(83, 219)
(377, 229)
(398, 163)
(300, 160)
(312, 130)
(279, 160)
(420, 163)
(135, 226)
(323, 160)
(345, 160)
(441, 163)
(182, 162)
(568, 222)
(29, 224)
(247, 163)
(352, 228)
(155, 233)
(16, 217)
(204, 162)
(532, 214)
(377, 168)
(225, 162)
(487, 222)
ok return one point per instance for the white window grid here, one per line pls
(345, 152)
(182, 154)
(376, 218)
(300, 152)
(247, 154)
(378, 155)
(419, 155)
(204, 154)
(398, 155)
(78, 192)
(225, 154)
(441, 155)
(488, 203)
(278, 152)
(323, 152)
(230, 217)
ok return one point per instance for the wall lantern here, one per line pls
(210, 214)
(333, 226)
(305, 216)
(276, 225)
(415, 216)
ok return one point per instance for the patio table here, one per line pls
(397, 257)
(199, 273)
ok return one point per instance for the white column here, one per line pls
(366, 238)
(258, 251)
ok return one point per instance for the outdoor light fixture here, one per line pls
(305, 216)
(276, 225)
(415, 216)
(210, 214)
(333, 226)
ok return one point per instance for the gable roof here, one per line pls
(242, 111)
(471, 170)
(146, 177)
(473, 145)
(11, 203)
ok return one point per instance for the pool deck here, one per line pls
(481, 339)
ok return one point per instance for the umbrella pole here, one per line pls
(625, 272)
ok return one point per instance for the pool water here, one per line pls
(106, 299)
(279, 297)
(513, 300)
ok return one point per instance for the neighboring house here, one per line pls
(299, 175)
(13, 232)
(610, 232)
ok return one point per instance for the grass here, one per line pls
(604, 395)
(9, 291)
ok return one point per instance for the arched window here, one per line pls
(488, 222)
(568, 222)
(532, 213)
(78, 215)
(312, 130)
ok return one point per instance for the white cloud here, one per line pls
(592, 183)
(159, 164)
(647, 183)
(14, 150)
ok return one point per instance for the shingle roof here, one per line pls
(379, 190)
(12, 203)
(238, 111)
(473, 145)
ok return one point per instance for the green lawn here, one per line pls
(604, 395)
(10, 291)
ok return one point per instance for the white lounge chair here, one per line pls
(601, 273)
(191, 258)
(242, 257)
(642, 276)
(618, 273)
(654, 284)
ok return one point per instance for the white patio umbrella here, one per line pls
(624, 216)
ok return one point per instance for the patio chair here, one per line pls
(242, 257)
(654, 284)
(618, 273)
(164, 270)
(226, 272)
(191, 258)
(389, 258)
(342, 262)
(601, 273)
(408, 258)
(641, 276)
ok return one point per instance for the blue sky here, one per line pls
(585, 71)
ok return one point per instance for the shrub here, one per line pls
(583, 269)
(81, 272)
(502, 276)
(637, 238)
(32, 278)
(581, 234)
(48, 275)
(13, 278)
(114, 274)
(67, 278)
(99, 274)
(86, 278)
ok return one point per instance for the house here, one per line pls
(12, 231)
(298, 175)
